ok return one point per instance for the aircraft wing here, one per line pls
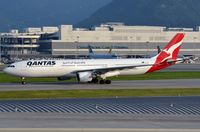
(108, 69)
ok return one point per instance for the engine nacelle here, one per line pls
(84, 76)
(64, 78)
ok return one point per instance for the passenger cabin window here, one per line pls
(11, 66)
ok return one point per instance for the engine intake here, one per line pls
(84, 76)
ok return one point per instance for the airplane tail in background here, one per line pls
(110, 51)
(168, 56)
(159, 49)
(90, 49)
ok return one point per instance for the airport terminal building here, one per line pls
(124, 40)
(19, 45)
(71, 42)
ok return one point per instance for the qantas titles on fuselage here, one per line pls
(41, 63)
(90, 70)
(52, 63)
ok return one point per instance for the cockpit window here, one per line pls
(11, 66)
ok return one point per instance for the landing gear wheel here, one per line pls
(101, 82)
(108, 81)
(23, 83)
(95, 80)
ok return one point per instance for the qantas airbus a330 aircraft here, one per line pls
(97, 70)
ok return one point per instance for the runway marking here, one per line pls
(159, 106)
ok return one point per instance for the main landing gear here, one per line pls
(105, 82)
(23, 80)
(102, 81)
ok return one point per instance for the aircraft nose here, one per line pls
(7, 70)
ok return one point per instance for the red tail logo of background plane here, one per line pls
(170, 52)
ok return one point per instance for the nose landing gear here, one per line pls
(23, 80)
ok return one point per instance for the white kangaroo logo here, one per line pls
(171, 50)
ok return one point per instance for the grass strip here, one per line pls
(55, 94)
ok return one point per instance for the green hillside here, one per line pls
(170, 13)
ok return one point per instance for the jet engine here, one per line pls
(84, 76)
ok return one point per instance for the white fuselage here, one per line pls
(59, 68)
(88, 70)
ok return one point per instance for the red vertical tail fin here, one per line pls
(169, 53)
(172, 49)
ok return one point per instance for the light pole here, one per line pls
(147, 54)
(77, 42)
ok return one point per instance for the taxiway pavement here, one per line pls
(138, 84)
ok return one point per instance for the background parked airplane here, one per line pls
(108, 55)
